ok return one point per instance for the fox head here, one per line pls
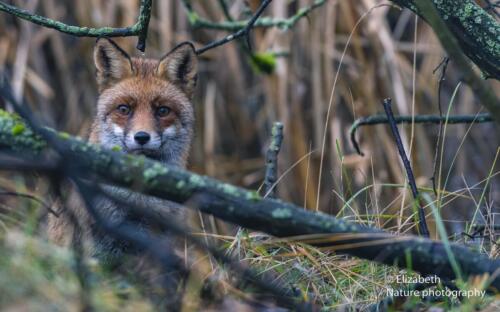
(144, 105)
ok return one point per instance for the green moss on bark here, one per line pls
(477, 32)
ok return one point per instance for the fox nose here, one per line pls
(142, 137)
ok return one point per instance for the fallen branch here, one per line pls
(248, 209)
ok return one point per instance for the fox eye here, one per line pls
(123, 109)
(162, 111)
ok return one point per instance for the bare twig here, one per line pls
(139, 29)
(245, 31)
(430, 119)
(271, 176)
(444, 66)
(422, 224)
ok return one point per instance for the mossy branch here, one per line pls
(248, 209)
(477, 32)
(139, 29)
(263, 22)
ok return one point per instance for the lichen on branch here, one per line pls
(478, 32)
(139, 29)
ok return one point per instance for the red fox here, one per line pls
(144, 107)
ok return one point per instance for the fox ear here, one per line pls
(112, 63)
(179, 66)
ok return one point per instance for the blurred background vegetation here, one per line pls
(333, 66)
